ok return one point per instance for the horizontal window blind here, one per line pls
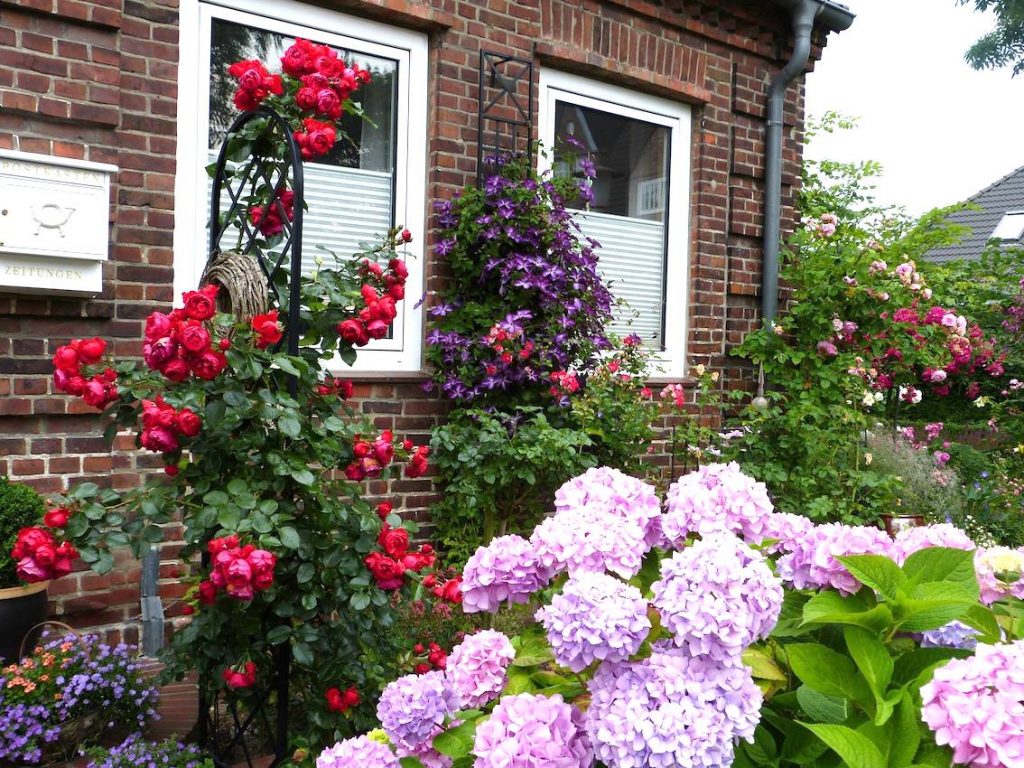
(631, 260)
(345, 207)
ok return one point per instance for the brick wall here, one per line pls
(97, 80)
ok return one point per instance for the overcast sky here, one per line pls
(941, 130)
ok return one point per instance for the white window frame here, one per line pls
(403, 352)
(557, 86)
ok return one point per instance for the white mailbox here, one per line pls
(54, 224)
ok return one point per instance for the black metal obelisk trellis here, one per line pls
(224, 728)
(504, 117)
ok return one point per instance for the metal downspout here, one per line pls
(803, 14)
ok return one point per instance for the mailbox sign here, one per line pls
(54, 224)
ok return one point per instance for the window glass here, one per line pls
(628, 213)
(350, 191)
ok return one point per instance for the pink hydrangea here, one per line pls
(617, 493)
(475, 668)
(590, 538)
(717, 498)
(910, 540)
(595, 617)
(506, 570)
(812, 562)
(532, 731)
(785, 530)
(717, 597)
(671, 709)
(359, 751)
(1000, 572)
(976, 706)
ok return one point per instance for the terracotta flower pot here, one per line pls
(22, 609)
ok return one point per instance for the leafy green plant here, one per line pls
(844, 674)
(20, 507)
(499, 472)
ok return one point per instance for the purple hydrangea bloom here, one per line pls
(812, 564)
(360, 751)
(595, 616)
(413, 708)
(590, 538)
(785, 530)
(532, 731)
(506, 570)
(717, 597)
(670, 710)
(476, 667)
(717, 498)
(952, 635)
(616, 492)
(910, 540)
(976, 706)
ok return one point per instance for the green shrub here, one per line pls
(20, 507)
(499, 471)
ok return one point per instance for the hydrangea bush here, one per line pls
(747, 639)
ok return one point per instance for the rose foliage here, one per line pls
(263, 457)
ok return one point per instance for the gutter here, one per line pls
(804, 14)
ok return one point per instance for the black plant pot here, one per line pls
(22, 609)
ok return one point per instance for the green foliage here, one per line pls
(1004, 45)
(850, 676)
(518, 343)
(836, 358)
(20, 507)
(499, 472)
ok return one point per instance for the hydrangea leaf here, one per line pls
(856, 749)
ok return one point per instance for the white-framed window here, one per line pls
(640, 147)
(353, 194)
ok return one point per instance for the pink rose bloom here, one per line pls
(158, 325)
(28, 569)
(827, 348)
(239, 578)
(160, 440)
(158, 352)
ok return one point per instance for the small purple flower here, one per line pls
(359, 751)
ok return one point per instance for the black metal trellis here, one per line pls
(262, 169)
(504, 120)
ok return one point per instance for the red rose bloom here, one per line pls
(194, 337)
(352, 331)
(159, 439)
(388, 573)
(188, 422)
(91, 350)
(394, 541)
(240, 679)
(56, 517)
(175, 369)
(384, 509)
(267, 328)
(66, 359)
(199, 305)
(209, 365)
(207, 593)
(158, 324)
(450, 592)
